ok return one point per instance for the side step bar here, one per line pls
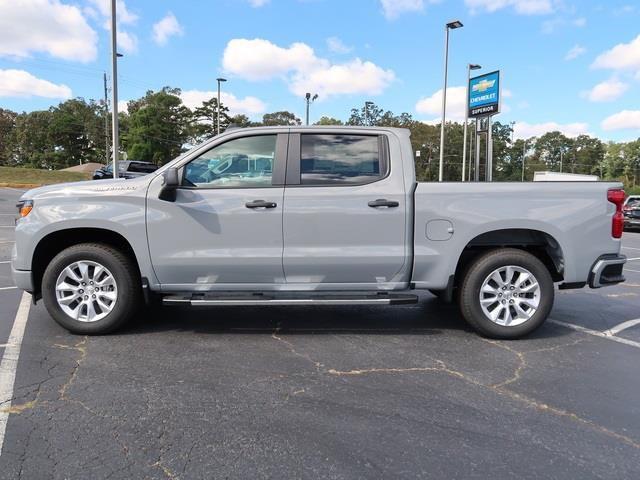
(198, 300)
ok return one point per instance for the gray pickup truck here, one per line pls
(313, 216)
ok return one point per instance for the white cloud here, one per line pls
(528, 130)
(523, 7)
(258, 3)
(335, 45)
(127, 41)
(575, 52)
(299, 66)
(46, 26)
(124, 15)
(624, 56)
(394, 8)
(624, 120)
(432, 105)
(18, 83)
(165, 28)
(580, 22)
(123, 106)
(606, 91)
(247, 105)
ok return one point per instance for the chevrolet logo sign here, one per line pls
(483, 86)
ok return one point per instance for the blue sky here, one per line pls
(568, 65)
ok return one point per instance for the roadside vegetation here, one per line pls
(33, 176)
(158, 127)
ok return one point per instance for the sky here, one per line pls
(568, 65)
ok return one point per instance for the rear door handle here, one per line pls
(260, 204)
(381, 202)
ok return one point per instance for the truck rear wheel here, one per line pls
(506, 293)
(91, 288)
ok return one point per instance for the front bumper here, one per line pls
(22, 279)
(607, 271)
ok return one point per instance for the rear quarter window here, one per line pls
(336, 159)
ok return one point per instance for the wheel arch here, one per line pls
(53, 243)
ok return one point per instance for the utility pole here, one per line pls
(114, 87)
(219, 80)
(561, 155)
(513, 124)
(106, 121)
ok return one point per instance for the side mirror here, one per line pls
(170, 183)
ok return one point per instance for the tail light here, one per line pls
(616, 197)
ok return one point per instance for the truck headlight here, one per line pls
(24, 207)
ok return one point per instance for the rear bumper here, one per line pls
(607, 270)
(22, 279)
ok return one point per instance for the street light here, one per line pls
(219, 80)
(470, 66)
(310, 100)
(449, 26)
(114, 88)
(366, 111)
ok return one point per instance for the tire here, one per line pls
(116, 290)
(520, 308)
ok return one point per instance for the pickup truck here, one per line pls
(313, 216)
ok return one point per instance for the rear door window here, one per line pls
(337, 159)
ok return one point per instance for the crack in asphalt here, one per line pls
(499, 388)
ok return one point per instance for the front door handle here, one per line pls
(381, 202)
(260, 204)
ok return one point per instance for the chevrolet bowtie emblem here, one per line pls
(483, 85)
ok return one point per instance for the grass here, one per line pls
(35, 176)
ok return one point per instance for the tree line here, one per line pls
(158, 127)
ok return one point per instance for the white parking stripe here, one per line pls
(632, 259)
(630, 270)
(9, 363)
(8, 261)
(595, 333)
(623, 326)
(632, 248)
(8, 288)
(2, 243)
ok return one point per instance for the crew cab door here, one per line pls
(224, 229)
(345, 212)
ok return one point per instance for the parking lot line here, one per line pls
(632, 248)
(6, 261)
(8, 288)
(595, 333)
(632, 259)
(9, 363)
(623, 326)
(631, 270)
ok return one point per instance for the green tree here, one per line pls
(329, 121)
(280, 118)
(7, 126)
(158, 126)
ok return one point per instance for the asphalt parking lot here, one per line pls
(358, 392)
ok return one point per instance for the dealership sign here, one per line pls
(484, 95)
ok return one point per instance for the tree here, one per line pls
(204, 120)
(328, 121)
(280, 118)
(158, 126)
(7, 126)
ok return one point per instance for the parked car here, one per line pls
(631, 210)
(126, 169)
(313, 216)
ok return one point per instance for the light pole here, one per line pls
(449, 26)
(470, 66)
(114, 88)
(524, 154)
(310, 100)
(366, 112)
(219, 80)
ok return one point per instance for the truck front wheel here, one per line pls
(506, 293)
(91, 288)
